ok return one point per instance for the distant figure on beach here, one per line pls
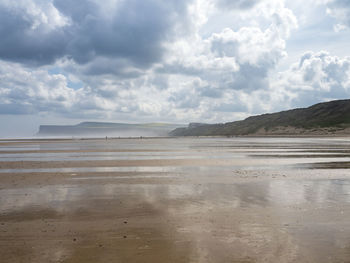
(106, 138)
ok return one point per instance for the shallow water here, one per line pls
(175, 200)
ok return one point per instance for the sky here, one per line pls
(177, 61)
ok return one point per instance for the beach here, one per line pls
(253, 199)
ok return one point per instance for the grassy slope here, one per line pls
(334, 114)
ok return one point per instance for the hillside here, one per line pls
(108, 129)
(324, 118)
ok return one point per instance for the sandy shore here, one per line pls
(175, 200)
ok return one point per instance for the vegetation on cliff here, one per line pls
(322, 118)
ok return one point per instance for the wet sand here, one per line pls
(175, 200)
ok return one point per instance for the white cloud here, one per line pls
(231, 65)
(316, 77)
(32, 89)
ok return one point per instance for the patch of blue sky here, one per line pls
(71, 84)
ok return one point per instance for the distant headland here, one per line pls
(98, 129)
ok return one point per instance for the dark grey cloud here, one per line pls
(185, 98)
(340, 10)
(235, 106)
(237, 4)
(250, 77)
(20, 43)
(211, 92)
(136, 31)
(116, 67)
(340, 3)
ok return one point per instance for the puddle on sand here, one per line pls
(239, 222)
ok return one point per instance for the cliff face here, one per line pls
(107, 129)
(323, 118)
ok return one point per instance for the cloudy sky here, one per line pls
(180, 61)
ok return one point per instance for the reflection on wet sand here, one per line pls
(209, 213)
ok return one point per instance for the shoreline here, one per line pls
(43, 139)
